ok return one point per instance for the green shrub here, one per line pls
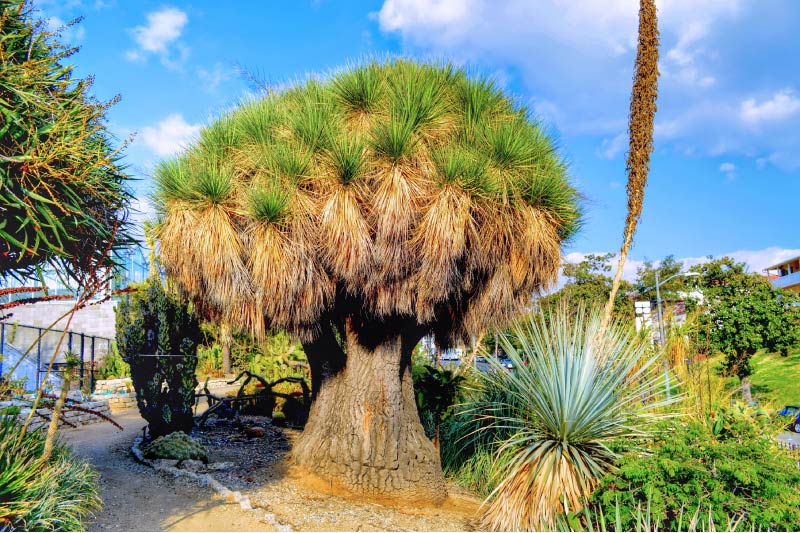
(113, 366)
(209, 361)
(36, 495)
(436, 392)
(731, 467)
(177, 445)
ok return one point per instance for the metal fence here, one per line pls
(36, 346)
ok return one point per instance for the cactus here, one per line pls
(154, 321)
(177, 445)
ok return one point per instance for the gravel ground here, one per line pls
(140, 499)
(136, 498)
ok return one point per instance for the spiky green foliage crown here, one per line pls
(391, 190)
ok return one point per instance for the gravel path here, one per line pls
(136, 498)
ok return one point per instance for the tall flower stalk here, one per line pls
(640, 126)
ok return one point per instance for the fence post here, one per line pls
(80, 381)
(91, 369)
(38, 358)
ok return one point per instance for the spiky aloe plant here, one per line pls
(570, 394)
(63, 196)
(360, 213)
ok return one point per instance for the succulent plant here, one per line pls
(177, 445)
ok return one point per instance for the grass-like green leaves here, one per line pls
(464, 167)
(313, 121)
(394, 139)
(36, 495)
(551, 192)
(348, 159)
(256, 120)
(417, 96)
(358, 89)
(219, 138)
(480, 101)
(269, 204)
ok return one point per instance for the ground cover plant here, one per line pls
(390, 201)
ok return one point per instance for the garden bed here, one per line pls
(254, 458)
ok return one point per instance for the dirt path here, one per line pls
(136, 498)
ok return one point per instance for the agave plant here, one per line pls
(571, 393)
(389, 201)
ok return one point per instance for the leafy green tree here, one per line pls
(63, 197)
(362, 212)
(589, 284)
(743, 313)
(152, 322)
(668, 267)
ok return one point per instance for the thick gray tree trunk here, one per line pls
(364, 433)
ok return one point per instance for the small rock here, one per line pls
(193, 465)
(219, 466)
(164, 463)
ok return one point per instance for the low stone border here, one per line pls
(167, 465)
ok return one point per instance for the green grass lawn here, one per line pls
(775, 380)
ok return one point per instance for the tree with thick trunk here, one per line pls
(361, 213)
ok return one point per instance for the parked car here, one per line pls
(506, 362)
(794, 412)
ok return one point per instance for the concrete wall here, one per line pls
(97, 320)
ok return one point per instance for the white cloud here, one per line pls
(164, 27)
(611, 148)
(682, 62)
(729, 169)
(781, 106)
(577, 56)
(214, 77)
(170, 135)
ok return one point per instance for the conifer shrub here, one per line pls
(729, 466)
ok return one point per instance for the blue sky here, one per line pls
(725, 174)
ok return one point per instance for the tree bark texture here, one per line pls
(364, 433)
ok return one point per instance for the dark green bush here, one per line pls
(730, 467)
(58, 494)
(150, 322)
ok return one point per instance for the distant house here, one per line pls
(785, 275)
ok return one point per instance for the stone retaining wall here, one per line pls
(77, 418)
(117, 392)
